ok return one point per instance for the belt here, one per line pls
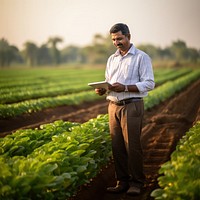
(126, 101)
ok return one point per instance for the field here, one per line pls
(170, 111)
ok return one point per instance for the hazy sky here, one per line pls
(159, 22)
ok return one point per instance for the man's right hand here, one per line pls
(100, 91)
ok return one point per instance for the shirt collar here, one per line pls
(132, 50)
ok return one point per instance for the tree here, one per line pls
(71, 54)
(151, 50)
(179, 50)
(44, 56)
(193, 55)
(31, 53)
(4, 48)
(8, 53)
(100, 49)
(55, 53)
(166, 54)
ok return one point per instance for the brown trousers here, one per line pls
(125, 124)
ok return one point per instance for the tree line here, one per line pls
(95, 53)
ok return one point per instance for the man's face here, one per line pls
(122, 42)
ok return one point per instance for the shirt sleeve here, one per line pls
(146, 76)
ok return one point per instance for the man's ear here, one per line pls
(129, 36)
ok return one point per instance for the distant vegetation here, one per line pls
(95, 53)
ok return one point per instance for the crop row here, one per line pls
(169, 75)
(180, 177)
(69, 159)
(25, 77)
(42, 92)
(55, 169)
(168, 89)
(12, 91)
(159, 94)
(43, 87)
(35, 105)
(44, 83)
(25, 141)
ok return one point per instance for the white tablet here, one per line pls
(100, 84)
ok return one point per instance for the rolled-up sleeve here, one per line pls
(146, 82)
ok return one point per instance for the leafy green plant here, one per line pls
(35, 105)
(180, 177)
(154, 98)
(23, 142)
(54, 170)
(169, 88)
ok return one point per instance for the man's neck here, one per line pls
(125, 51)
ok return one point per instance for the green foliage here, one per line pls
(162, 76)
(96, 52)
(55, 53)
(50, 88)
(8, 53)
(180, 177)
(169, 88)
(48, 102)
(36, 89)
(53, 161)
(17, 85)
(69, 156)
(23, 142)
(30, 53)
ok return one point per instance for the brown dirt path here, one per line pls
(163, 126)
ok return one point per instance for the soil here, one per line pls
(163, 126)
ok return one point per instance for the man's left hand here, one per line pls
(117, 87)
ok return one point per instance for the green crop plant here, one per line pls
(156, 96)
(180, 176)
(69, 156)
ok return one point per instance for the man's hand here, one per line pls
(117, 87)
(100, 91)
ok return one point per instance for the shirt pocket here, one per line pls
(127, 74)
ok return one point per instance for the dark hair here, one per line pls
(120, 27)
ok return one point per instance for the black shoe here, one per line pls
(133, 190)
(119, 188)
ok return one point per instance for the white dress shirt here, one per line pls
(134, 68)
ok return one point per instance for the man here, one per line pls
(130, 73)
